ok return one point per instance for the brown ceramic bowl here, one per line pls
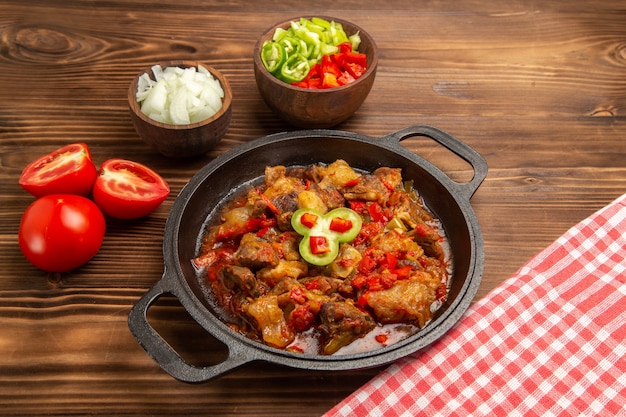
(182, 141)
(307, 108)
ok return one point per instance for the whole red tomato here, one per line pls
(61, 232)
(68, 170)
(128, 190)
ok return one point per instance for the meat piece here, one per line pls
(342, 323)
(291, 269)
(419, 221)
(286, 203)
(411, 210)
(284, 185)
(273, 173)
(368, 188)
(255, 253)
(329, 195)
(406, 301)
(346, 261)
(322, 285)
(327, 181)
(284, 206)
(271, 321)
(394, 241)
(429, 240)
(391, 177)
(287, 245)
(233, 226)
(240, 278)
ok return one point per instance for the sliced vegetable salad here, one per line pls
(314, 53)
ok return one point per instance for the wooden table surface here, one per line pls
(538, 88)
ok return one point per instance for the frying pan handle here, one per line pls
(478, 163)
(161, 352)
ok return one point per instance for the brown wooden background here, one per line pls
(538, 88)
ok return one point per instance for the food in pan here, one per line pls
(374, 269)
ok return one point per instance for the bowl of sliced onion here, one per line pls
(180, 108)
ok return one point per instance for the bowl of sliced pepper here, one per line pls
(315, 72)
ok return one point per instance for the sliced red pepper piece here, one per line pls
(329, 81)
(356, 58)
(392, 261)
(376, 213)
(340, 225)
(270, 205)
(308, 219)
(329, 66)
(403, 272)
(353, 69)
(358, 205)
(345, 78)
(319, 245)
(345, 47)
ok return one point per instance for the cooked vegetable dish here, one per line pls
(320, 259)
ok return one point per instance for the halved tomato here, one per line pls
(68, 170)
(128, 190)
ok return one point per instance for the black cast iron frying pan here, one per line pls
(215, 182)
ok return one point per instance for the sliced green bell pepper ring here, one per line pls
(273, 56)
(320, 22)
(322, 233)
(290, 44)
(295, 68)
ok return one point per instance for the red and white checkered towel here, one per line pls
(549, 341)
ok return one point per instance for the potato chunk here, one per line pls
(271, 321)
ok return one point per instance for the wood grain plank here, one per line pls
(539, 89)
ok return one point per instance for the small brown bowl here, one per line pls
(308, 108)
(182, 141)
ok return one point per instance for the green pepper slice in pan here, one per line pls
(322, 233)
